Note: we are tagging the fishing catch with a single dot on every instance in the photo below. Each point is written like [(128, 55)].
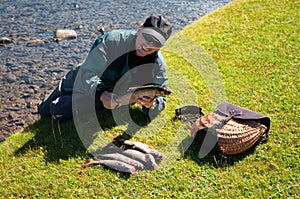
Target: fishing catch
[(113, 164), (143, 148), (135, 93), (128, 158), (146, 159), (119, 157)]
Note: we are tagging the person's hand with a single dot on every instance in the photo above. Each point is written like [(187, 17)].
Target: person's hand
[(146, 101), (108, 100)]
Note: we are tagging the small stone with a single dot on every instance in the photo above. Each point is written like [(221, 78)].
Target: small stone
[(10, 117), (34, 87), (26, 96), (5, 40), (13, 109), (57, 40), (101, 30), (75, 5), (10, 78), (29, 105), (32, 103), (20, 122), (35, 42), (67, 34)]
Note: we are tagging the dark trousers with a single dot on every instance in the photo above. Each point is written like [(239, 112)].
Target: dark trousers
[(60, 107), (58, 103)]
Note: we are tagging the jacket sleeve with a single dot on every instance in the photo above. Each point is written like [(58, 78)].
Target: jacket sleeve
[(89, 76)]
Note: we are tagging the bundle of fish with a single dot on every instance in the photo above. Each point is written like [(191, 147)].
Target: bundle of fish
[(231, 128), (129, 158)]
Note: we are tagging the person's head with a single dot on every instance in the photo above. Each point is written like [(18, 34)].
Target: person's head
[(152, 35)]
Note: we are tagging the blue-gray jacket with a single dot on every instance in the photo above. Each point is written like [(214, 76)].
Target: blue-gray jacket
[(111, 66)]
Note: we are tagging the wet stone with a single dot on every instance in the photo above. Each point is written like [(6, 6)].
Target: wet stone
[(20, 123), (35, 42), (30, 64), (5, 40), (66, 34), (25, 96), (13, 108), (10, 117), (10, 78)]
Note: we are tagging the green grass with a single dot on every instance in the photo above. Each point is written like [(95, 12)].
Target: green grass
[(246, 53)]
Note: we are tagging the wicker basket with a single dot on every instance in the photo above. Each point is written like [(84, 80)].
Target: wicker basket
[(234, 136), (238, 136)]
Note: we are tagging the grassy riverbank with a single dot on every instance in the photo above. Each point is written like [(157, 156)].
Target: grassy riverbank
[(252, 50)]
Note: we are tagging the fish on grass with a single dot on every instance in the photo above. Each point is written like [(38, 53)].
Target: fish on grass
[(122, 158), (146, 159), (143, 148), (135, 93), (113, 164)]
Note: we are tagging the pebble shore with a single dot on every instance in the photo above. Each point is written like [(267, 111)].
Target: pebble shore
[(33, 60)]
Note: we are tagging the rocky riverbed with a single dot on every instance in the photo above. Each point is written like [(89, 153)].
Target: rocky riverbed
[(30, 69)]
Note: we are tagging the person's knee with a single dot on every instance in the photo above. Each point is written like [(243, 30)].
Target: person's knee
[(43, 109), (61, 108)]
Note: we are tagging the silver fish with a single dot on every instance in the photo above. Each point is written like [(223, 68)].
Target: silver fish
[(110, 148), (137, 155), (135, 93), (146, 159), (122, 158), (150, 162), (143, 148), (113, 164)]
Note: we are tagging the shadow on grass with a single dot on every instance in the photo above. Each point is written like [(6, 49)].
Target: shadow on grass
[(60, 141), (55, 145), (214, 158)]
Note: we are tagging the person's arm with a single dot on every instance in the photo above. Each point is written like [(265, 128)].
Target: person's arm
[(89, 75)]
